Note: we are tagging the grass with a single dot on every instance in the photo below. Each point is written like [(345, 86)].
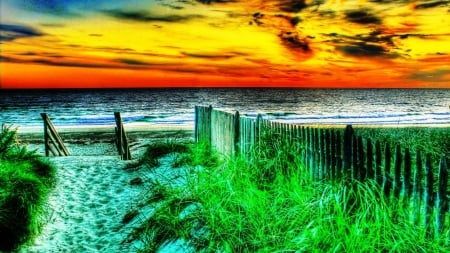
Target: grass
[(433, 140), (268, 203), (25, 182)]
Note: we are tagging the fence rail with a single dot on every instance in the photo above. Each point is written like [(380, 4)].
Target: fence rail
[(332, 154), (52, 141)]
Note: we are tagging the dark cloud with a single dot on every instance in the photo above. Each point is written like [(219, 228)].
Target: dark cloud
[(293, 41), (172, 6), (96, 35), (439, 75), (132, 62), (432, 4), (71, 64), (12, 32), (217, 1), (144, 16), (52, 25), (362, 17), (362, 49), (212, 56), (292, 5)]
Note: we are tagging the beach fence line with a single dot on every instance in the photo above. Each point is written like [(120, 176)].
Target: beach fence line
[(52, 141), (410, 177)]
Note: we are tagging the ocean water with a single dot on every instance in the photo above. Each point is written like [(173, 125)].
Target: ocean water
[(145, 107)]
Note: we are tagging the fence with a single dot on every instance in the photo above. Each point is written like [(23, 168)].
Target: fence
[(333, 154), (121, 138), (52, 141)]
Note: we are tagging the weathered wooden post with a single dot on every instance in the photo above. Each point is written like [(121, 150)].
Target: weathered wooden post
[(370, 171), (361, 168), (237, 133), (378, 175), (428, 194), (417, 188), (121, 138), (407, 174), (397, 170), (387, 182), (348, 143)]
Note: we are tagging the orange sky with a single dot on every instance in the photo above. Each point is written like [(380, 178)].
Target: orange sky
[(253, 43)]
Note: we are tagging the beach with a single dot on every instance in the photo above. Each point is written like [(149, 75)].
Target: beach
[(95, 189)]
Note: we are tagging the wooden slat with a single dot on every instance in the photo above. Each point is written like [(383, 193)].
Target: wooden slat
[(442, 200), (52, 141)]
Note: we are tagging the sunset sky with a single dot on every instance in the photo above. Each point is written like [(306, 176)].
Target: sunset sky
[(226, 43)]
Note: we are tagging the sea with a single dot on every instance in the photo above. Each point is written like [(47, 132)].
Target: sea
[(176, 107)]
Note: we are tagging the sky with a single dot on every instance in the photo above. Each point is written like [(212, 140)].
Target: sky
[(224, 43)]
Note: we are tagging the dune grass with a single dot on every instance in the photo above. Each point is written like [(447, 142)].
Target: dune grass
[(25, 181), (432, 140), (267, 202)]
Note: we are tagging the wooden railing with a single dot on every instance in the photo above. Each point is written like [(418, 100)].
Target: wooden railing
[(52, 141), (121, 139), (333, 154)]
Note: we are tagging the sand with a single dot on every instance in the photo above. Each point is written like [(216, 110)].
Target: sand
[(93, 193)]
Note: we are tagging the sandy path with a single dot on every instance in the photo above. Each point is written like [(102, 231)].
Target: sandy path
[(86, 208)]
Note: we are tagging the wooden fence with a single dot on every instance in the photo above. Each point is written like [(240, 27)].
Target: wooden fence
[(52, 141), (121, 138), (333, 154)]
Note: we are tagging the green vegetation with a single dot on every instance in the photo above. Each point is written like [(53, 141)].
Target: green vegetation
[(267, 202), (25, 181), (433, 140)]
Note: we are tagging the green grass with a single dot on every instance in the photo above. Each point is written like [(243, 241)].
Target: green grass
[(433, 140), (268, 203), (25, 182)]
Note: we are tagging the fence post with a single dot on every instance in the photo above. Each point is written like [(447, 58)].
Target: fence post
[(122, 141), (196, 112), (378, 159), (339, 161), (417, 188), (355, 167), (237, 134), (428, 194), (361, 168), (370, 171), (442, 201), (348, 143), (407, 174), (397, 170), (387, 182)]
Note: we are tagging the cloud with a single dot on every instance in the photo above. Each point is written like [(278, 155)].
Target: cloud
[(362, 17), (438, 75), (212, 56), (292, 5), (293, 41), (12, 32), (132, 62), (145, 16), (362, 49), (431, 4), (218, 1)]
